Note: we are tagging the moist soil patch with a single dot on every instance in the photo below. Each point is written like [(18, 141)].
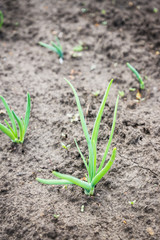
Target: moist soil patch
[(112, 33)]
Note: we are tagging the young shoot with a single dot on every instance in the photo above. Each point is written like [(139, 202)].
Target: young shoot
[(78, 48), (96, 93), (55, 47), (1, 19), (121, 93), (94, 173), (137, 75), (132, 202), (65, 146), (12, 132)]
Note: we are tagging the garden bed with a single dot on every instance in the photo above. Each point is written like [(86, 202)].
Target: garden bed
[(112, 34)]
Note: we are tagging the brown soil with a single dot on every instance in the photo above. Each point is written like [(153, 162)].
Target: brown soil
[(132, 34)]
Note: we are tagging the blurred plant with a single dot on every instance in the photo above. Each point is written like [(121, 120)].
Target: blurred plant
[(155, 10), (78, 48), (104, 23), (95, 94), (132, 202), (65, 146), (1, 19), (56, 216), (132, 89), (121, 93), (55, 47), (83, 10), (94, 174), (22, 123), (103, 11), (137, 75)]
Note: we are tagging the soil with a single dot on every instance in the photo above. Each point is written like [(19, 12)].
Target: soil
[(127, 31)]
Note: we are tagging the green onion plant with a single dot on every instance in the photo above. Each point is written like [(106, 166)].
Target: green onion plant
[(94, 173), (137, 75), (1, 19), (12, 132), (55, 47)]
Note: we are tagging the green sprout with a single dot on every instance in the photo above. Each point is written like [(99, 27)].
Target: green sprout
[(94, 173), (132, 89), (103, 11), (121, 93), (83, 10), (65, 146), (104, 23), (55, 47), (1, 19), (137, 75), (155, 10), (56, 216), (132, 202), (96, 93), (78, 48), (22, 123)]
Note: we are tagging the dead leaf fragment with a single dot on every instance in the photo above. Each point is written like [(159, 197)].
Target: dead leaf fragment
[(72, 72), (130, 4), (71, 77), (138, 95), (150, 231), (84, 179)]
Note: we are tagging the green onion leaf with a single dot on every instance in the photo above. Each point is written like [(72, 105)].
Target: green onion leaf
[(53, 182), (98, 177), (21, 127), (73, 180), (7, 132), (111, 136), (97, 123), (137, 75), (28, 109), (85, 130), (10, 116), (83, 158)]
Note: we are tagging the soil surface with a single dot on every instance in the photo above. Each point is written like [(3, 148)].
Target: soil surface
[(112, 33)]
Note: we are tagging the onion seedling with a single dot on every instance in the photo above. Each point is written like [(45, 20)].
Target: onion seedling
[(137, 75), (11, 132), (94, 173), (55, 47), (1, 19)]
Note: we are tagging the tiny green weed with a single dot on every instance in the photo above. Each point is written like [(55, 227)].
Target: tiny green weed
[(1, 19), (94, 173), (132, 202), (11, 132), (103, 11), (56, 216), (96, 93), (132, 89), (137, 75), (81, 47), (55, 47), (155, 10), (65, 146), (121, 93), (78, 48)]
